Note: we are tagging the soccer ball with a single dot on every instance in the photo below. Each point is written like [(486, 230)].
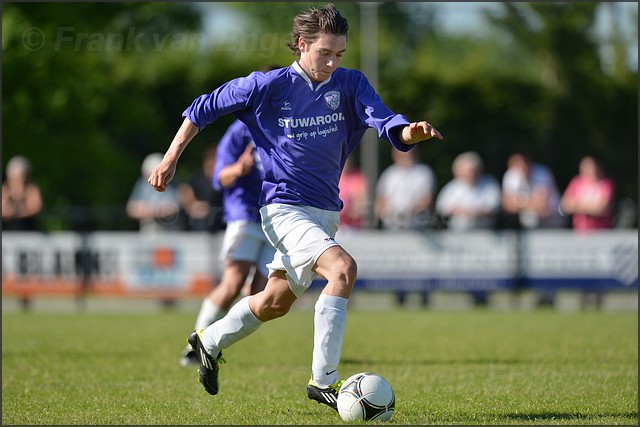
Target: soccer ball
[(366, 396)]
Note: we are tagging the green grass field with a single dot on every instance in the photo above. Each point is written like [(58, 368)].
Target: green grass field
[(462, 367)]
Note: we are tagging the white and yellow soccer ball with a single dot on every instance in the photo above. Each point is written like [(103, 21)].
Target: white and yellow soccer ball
[(366, 396)]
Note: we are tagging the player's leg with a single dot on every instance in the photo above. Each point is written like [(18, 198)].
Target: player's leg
[(306, 246), (258, 283), (217, 302), (261, 271), (241, 248), (330, 317), (234, 276), (244, 318)]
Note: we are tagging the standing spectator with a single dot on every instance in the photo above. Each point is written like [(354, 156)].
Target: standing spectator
[(245, 249), (589, 197), (530, 197), (155, 211), (471, 199), (201, 202), (589, 200), (21, 197), (354, 194), (404, 199), (405, 192)]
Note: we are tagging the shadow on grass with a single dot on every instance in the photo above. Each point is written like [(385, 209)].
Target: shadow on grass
[(559, 416), (350, 361)]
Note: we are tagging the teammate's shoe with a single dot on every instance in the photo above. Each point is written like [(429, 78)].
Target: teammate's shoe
[(326, 395), (188, 357), (208, 365)]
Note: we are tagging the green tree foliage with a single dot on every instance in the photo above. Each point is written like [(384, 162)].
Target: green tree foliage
[(586, 110), (89, 89), (87, 94)]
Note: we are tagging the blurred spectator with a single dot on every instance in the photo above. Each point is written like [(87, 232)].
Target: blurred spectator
[(155, 211), (202, 203), (589, 197), (354, 189), (405, 192), (404, 198), (471, 199), (530, 197), (21, 197)]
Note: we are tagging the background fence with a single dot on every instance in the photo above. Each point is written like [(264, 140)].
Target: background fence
[(171, 266)]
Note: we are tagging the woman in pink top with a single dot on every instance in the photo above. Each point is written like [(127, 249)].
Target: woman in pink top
[(589, 197)]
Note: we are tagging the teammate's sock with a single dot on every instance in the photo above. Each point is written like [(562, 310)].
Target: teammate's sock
[(209, 313), (237, 324), (330, 319)]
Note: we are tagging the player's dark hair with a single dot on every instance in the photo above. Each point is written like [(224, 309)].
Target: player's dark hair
[(313, 21)]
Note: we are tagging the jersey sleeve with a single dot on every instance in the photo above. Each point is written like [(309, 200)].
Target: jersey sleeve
[(372, 111), (232, 96)]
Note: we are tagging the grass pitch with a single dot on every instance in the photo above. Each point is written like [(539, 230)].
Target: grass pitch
[(463, 367)]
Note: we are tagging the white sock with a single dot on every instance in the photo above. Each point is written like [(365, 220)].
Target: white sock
[(208, 314), (329, 324), (239, 323)]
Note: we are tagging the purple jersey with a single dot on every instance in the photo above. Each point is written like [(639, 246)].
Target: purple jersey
[(241, 200), (304, 131)]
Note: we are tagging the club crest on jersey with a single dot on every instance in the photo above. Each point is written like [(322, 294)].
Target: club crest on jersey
[(332, 98)]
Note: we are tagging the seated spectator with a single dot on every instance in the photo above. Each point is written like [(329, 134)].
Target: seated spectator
[(155, 211), (21, 197), (530, 197), (405, 192), (354, 194), (589, 197), (202, 203), (471, 199)]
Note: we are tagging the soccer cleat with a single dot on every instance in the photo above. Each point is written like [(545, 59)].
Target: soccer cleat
[(208, 365), (326, 395), (188, 357)]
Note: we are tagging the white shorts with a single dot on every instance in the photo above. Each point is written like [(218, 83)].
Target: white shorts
[(300, 235), (245, 241)]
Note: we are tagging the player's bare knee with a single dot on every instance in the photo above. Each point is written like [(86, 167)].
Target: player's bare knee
[(344, 270)]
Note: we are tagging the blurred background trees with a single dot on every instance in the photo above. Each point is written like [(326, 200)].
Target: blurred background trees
[(89, 89)]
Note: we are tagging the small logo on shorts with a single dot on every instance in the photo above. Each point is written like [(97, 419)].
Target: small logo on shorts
[(329, 239)]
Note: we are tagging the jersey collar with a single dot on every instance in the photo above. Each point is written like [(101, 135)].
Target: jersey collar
[(296, 66)]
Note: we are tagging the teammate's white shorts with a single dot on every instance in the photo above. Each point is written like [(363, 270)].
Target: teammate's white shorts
[(245, 241), (300, 235)]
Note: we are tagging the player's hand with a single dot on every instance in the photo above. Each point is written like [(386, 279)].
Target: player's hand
[(246, 161), (162, 175), (419, 131)]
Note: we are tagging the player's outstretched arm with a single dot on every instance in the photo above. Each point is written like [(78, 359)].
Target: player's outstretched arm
[(166, 169), (418, 131)]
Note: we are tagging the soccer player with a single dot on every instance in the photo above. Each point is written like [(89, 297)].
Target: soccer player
[(305, 120), (245, 248)]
